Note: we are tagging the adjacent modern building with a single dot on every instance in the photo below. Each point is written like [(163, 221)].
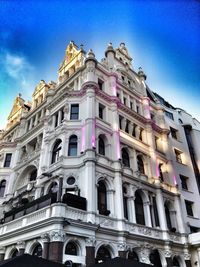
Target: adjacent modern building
[(98, 166)]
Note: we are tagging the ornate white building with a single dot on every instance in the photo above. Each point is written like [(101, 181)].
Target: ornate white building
[(97, 166)]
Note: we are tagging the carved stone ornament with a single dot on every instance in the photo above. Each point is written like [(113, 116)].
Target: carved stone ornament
[(21, 245), (45, 237), (90, 241), (187, 256), (122, 246), (57, 236), (168, 253)]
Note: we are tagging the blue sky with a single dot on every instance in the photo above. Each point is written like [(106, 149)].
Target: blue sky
[(162, 37)]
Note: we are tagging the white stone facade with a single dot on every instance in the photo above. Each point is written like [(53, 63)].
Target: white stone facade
[(92, 162)]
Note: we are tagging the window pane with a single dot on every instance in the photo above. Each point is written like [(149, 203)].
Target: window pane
[(74, 112), (7, 160)]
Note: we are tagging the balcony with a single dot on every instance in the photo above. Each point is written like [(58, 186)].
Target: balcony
[(44, 201)]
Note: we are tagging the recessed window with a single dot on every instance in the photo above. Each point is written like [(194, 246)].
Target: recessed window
[(178, 155), (71, 249), (74, 112), (100, 83), (180, 121), (137, 109), (189, 207), (120, 122), (184, 182), (118, 95), (56, 151), (169, 115), (173, 133), (37, 251), (125, 158), (125, 101), (56, 119), (2, 188), (71, 180), (140, 164), (101, 146), (123, 78), (131, 105), (127, 126), (72, 151), (7, 160), (33, 175), (101, 111)]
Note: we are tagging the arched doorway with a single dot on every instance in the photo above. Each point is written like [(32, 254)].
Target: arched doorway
[(103, 254), (154, 258)]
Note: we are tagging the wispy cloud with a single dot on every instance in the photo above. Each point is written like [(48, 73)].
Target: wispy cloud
[(17, 68)]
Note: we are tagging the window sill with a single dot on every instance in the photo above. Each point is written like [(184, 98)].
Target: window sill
[(192, 217)]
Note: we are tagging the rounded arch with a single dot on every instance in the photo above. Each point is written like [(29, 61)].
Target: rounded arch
[(154, 258), (103, 253), (108, 182), (132, 255), (56, 149), (25, 176), (168, 208), (11, 252), (37, 250), (139, 208), (178, 260)]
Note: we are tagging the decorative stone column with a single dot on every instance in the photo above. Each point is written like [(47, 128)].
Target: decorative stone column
[(90, 251), (21, 247), (45, 239), (168, 254), (60, 186), (187, 257), (2, 253), (122, 249), (143, 253), (147, 213), (56, 245), (161, 209)]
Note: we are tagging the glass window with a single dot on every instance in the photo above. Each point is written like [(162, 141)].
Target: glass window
[(101, 111), (71, 180), (184, 182), (139, 209), (125, 203), (160, 172), (173, 132), (100, 83), (169, 115), (101, 146), (102, 199), (74, 112), (125, 158), (7, 160), (2, 188), (37, 251), (72, 151), (33, 175), (140, 164), (103, 255), (189, 209), (71, 249), (56, 151), (168, 217), (178, 156)]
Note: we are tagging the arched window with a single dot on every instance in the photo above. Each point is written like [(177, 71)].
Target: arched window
[(2, 188), (155, 258), (125, 203), (37, 251), (56, 151), (33, 175), (175, 262), (103, 255), (101, 146), (168, 217), (140, 164), (14, 253), (132, 255), (102, 199), (71, 249), (139, 209), (125, 158), (72, 151)]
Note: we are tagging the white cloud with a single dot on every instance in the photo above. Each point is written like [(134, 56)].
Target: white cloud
[(18, 69)]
